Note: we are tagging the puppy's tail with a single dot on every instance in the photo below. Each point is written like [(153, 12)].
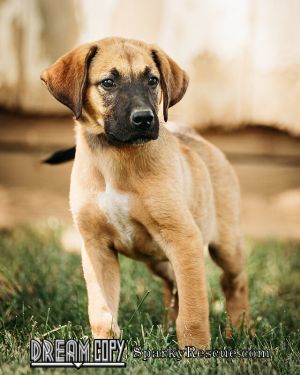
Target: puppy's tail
[(61, 156)]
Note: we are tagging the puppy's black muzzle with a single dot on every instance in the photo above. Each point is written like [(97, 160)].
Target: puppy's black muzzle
[(132, 118), (142, 127)]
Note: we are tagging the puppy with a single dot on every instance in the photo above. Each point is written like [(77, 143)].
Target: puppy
[(139, 189)]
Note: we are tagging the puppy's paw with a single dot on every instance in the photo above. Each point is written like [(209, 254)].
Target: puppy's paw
[(243, 325), (105, 327), (192, 334)]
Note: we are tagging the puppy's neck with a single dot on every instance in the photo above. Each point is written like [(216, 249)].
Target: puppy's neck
[(114, 162)]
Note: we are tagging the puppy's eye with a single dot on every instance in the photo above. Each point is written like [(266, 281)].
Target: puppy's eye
[(107, 83), (153, 81)]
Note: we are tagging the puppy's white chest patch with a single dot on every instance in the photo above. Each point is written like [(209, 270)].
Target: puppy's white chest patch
[(116, 206)]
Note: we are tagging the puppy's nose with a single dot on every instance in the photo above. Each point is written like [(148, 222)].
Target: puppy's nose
[(142, 118)]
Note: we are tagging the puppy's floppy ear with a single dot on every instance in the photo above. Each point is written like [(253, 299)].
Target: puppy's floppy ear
[(174, 81), (66, 79)]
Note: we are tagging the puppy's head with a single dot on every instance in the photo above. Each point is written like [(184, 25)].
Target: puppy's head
[(115, 86)]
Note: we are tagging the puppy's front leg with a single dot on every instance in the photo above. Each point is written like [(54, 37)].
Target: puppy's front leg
[(102, 276), (182, 243)]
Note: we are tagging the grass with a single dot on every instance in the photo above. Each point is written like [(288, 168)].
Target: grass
[(42, 295)]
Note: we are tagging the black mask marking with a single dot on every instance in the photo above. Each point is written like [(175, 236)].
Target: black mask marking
[(121, 103)]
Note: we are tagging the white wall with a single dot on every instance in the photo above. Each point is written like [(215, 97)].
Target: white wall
[(243, 56)]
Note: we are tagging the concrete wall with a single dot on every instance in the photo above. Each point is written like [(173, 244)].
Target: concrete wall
[(243, 56)]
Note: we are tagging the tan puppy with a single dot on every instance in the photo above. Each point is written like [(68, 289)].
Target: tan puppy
[(138, 189)]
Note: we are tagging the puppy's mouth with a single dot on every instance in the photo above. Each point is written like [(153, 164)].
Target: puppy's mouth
[(134, 140)]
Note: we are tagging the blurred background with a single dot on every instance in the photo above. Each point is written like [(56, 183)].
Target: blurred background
[(243, 59)]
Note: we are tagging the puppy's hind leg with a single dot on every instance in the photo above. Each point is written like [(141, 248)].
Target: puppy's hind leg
[(164, 271), (230, 257)]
